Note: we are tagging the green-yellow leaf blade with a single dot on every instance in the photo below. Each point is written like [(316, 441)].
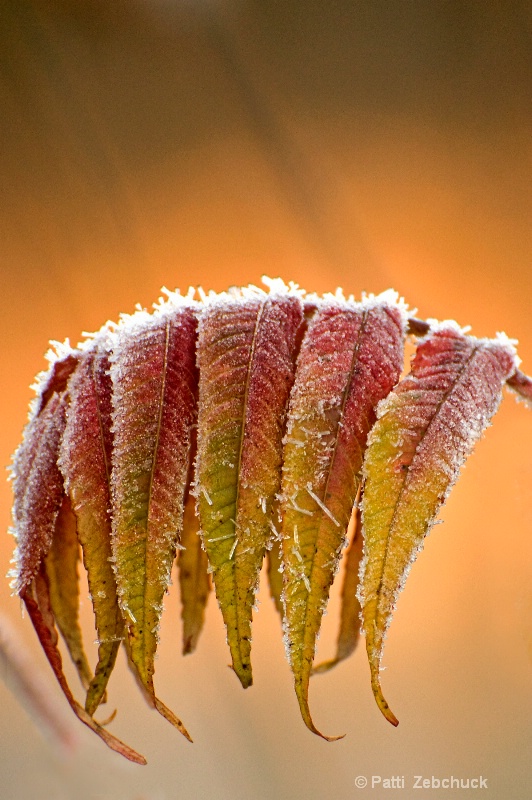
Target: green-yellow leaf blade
[(194, 578), (425, 430), (349, 632), (350, 358), (246, 354), (275, 577), (62, 573)]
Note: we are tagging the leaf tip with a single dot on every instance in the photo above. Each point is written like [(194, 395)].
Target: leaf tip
[(325, 666), (243, 673), (382, 704), (302, 697), (171, 717)]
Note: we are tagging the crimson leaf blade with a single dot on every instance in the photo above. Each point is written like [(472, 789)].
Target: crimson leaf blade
[(351, 356), (154, 408), (85, 461)]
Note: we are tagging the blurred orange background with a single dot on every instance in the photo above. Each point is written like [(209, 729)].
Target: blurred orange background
[(361, 144)]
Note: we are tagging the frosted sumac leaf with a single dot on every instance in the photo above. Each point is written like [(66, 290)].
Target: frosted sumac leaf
[(246, 354), (194, 578), (85, 461), (275, 576), (154, 408), (37, 601), (225, 429), (62, 573), (424, 432), (37, 481), (39, 498), (350, 358), (349, 632)]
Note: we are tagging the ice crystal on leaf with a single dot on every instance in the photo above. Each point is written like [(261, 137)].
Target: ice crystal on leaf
[(230, 428)]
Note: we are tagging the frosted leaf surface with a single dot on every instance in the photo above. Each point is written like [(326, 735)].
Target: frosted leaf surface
[(349, 632), (350, 358), (246, 354), (425, 430), (37, 488), (85, 462), (107, 456), (154, 409)]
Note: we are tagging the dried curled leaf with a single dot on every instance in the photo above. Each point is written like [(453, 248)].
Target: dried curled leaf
[(154, 409), (350, 358), (246, 354), (425, 430)]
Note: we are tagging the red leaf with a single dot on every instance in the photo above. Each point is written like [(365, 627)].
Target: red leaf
[(37, 601), (521, 384), (86, 463), (351, 356), (154, 400), (37, 481)]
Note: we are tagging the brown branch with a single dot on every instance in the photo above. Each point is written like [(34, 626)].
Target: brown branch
[(417, 327), (521, 384)]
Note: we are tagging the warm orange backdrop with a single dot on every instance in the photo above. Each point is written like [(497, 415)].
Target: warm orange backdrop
[(366, 145)]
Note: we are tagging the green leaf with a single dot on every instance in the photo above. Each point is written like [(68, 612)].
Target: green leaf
[(194, 578), (425, 430), (275, 577), (154, 409), (349, 632), (63, 580), (350, 358), (246, 353)]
